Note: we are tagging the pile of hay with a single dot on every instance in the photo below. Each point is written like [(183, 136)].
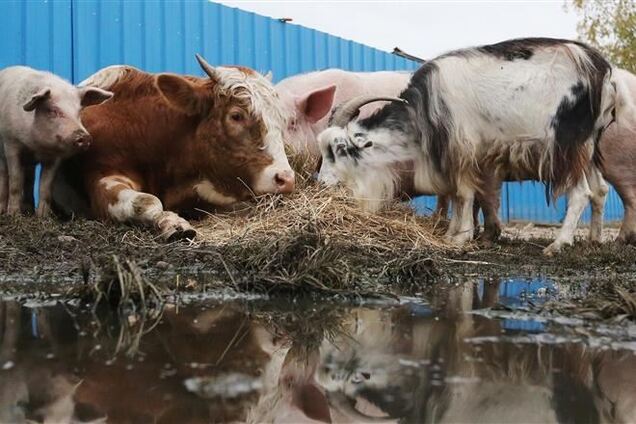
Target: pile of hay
[(319, 236)]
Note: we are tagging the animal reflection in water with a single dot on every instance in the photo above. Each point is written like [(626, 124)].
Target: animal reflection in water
[(235, 363)]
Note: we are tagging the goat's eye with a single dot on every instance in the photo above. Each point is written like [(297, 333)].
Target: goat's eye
[(237, 117)]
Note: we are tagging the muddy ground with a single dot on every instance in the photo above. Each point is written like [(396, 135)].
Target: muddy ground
[(75, 257)]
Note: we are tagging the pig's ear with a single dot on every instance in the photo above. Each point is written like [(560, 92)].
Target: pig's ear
[(37, 99), (317, 104), (269, 76), (93, 96), (312, 401)]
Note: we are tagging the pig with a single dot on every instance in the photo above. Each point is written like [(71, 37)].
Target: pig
[(39, 122), (309, 99)]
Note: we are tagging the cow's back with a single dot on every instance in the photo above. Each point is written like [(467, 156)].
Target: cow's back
[(136, 134)]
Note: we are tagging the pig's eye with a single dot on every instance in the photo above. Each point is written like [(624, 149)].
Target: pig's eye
[(293, 124), (56, 113)]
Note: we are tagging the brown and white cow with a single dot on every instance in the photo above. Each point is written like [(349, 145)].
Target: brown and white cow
[(174, 143)]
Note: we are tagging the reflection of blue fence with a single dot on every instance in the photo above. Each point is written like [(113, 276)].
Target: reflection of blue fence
[(74, 38)]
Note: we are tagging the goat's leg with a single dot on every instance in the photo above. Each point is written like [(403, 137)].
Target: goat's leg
[(599, 189), (453, 225), (464, 201), (441, 209), (118, 198), (578, 197), (490, 202)]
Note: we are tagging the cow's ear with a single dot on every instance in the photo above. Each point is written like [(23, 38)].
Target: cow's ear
[(181, 93), (317, 104), (93, 96), (38, 99)]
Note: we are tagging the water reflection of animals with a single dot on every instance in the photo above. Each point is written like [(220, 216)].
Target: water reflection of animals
[(240, 362)]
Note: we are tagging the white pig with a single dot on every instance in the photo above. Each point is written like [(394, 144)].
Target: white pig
[(309, 99), (39, 122)]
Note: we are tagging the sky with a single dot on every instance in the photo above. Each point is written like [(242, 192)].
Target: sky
[(424, 28)]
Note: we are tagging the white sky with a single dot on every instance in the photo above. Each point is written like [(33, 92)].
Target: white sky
[(424, 28)]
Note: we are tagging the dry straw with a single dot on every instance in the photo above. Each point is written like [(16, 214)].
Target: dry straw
[(319, 236), (332, 210)]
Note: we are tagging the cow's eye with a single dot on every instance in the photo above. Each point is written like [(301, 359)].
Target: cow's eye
[(237, 117)]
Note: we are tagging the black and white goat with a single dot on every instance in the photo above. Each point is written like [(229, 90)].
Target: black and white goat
[(542, 103)]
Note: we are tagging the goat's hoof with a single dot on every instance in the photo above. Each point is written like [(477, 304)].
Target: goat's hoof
[(554, 248)]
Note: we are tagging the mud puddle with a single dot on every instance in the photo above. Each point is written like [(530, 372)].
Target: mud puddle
[(474, 353)]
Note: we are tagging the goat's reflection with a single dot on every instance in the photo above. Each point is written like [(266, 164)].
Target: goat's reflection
[(403, 364)]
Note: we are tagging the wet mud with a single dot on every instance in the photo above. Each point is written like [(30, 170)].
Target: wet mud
[(88, 260)]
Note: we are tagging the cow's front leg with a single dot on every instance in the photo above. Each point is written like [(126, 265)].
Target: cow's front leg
[(578, 198), (16, 177), (46, 182), (599, 189), (119, 198)]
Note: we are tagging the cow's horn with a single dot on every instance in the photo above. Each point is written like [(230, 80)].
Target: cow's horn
[(207, 68), (344, 113)]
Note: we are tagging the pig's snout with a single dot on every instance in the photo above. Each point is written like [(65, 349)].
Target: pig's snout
[(81, 139)]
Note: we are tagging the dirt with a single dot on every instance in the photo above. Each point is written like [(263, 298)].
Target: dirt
[(49, 256)]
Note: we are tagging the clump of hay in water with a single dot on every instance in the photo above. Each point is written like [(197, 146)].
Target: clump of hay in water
[(319, 237)]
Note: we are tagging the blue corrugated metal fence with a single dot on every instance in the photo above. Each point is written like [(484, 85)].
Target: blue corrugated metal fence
[(74, 38)]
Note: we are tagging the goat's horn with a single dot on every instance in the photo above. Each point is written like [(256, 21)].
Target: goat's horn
[(344, 113)]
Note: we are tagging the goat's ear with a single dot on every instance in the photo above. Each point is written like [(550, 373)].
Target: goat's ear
[(182, 94), (317, 104), (38, 99), (93, 96)]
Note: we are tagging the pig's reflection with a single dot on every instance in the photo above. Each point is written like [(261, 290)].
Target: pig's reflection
[(227, 363)]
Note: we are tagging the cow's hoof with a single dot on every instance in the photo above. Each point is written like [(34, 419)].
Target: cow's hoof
[(174, 228), (182, 234)]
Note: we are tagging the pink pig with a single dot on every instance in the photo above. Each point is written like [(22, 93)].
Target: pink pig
[(309, 99), (39, 122)]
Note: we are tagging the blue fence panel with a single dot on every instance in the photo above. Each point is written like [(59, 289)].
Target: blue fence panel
[(75, 38), (37, 34)]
